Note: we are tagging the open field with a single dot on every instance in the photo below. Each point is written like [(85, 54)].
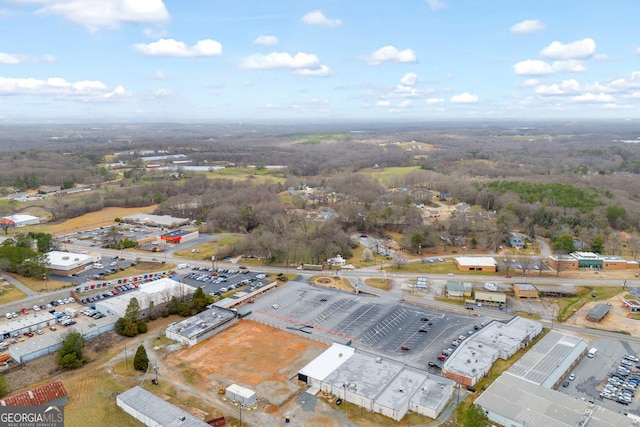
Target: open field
[(39, 285), (208, 249), (10, 293), (101, 218)]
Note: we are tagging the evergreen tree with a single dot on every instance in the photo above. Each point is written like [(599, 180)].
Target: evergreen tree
[(474, 416), (133, 309), (141, 360), (70, 354)]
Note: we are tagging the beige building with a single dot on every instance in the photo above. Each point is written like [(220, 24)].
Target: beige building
[(525, 291)]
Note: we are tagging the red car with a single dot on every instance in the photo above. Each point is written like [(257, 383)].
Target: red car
[(442, 357)]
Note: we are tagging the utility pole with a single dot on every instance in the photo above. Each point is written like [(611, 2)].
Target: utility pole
[(126, 359)]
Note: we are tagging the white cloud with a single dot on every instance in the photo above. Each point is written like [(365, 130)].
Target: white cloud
[(572, 66), (409, 79), (317, 18), (405, 104), (593, 98), (89, 90), (638, 50), (321, 71), (528, 26), (383, 104), (303, 64), (536, 67), (266, 40), (436, 4), (391, 54), (565, 87), (576, 50), (11, 59), (530, 82), (153, 33), (96, 15), (172, 47), (532, 67), (434, 101), (464, 98)]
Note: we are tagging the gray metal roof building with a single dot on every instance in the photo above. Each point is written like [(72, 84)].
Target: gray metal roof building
[(153, 411), (24, 323), (203, 325), (598, 312), (517, 402), (549, 360), (523, 396)]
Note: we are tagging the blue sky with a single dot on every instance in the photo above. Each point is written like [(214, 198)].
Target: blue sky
[(308, 60)]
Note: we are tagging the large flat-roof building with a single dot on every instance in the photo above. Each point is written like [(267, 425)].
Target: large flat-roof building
[(590, 260), (476, 263), (377, 383), (68, 263), (203, 325), (153, 411), (159, 291), (163, 221), (523, 395), (21, 220), (474, 356)]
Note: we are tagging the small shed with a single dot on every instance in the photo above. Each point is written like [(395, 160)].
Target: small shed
[(632, 305), (525, 291), (459, 289), (242, 395), (598, 313)]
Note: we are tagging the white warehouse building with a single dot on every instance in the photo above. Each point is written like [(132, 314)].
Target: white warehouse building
[(159, 291)]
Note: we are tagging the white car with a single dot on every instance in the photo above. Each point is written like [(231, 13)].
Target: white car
[(36, 308), (8, 315), (276, 306)]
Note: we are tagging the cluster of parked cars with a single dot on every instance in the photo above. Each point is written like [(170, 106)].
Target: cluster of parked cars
[(623, 381), (207, 277), (87, 311), (51, 304), (456, 342)]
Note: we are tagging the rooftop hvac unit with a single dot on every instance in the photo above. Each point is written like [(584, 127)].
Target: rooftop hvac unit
[(378, 360), (65, 258), (468, 360), (473, 370)]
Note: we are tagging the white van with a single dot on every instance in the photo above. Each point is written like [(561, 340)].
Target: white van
[(592, 352)]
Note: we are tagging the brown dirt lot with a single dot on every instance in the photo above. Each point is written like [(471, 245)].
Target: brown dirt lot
[(615, 320), (250, 354)]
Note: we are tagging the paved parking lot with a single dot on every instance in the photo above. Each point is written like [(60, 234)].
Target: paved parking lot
[(411, 333), (217, 282), (591, 375)]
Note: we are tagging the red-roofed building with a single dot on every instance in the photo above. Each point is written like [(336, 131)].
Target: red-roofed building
[(49, 394)]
